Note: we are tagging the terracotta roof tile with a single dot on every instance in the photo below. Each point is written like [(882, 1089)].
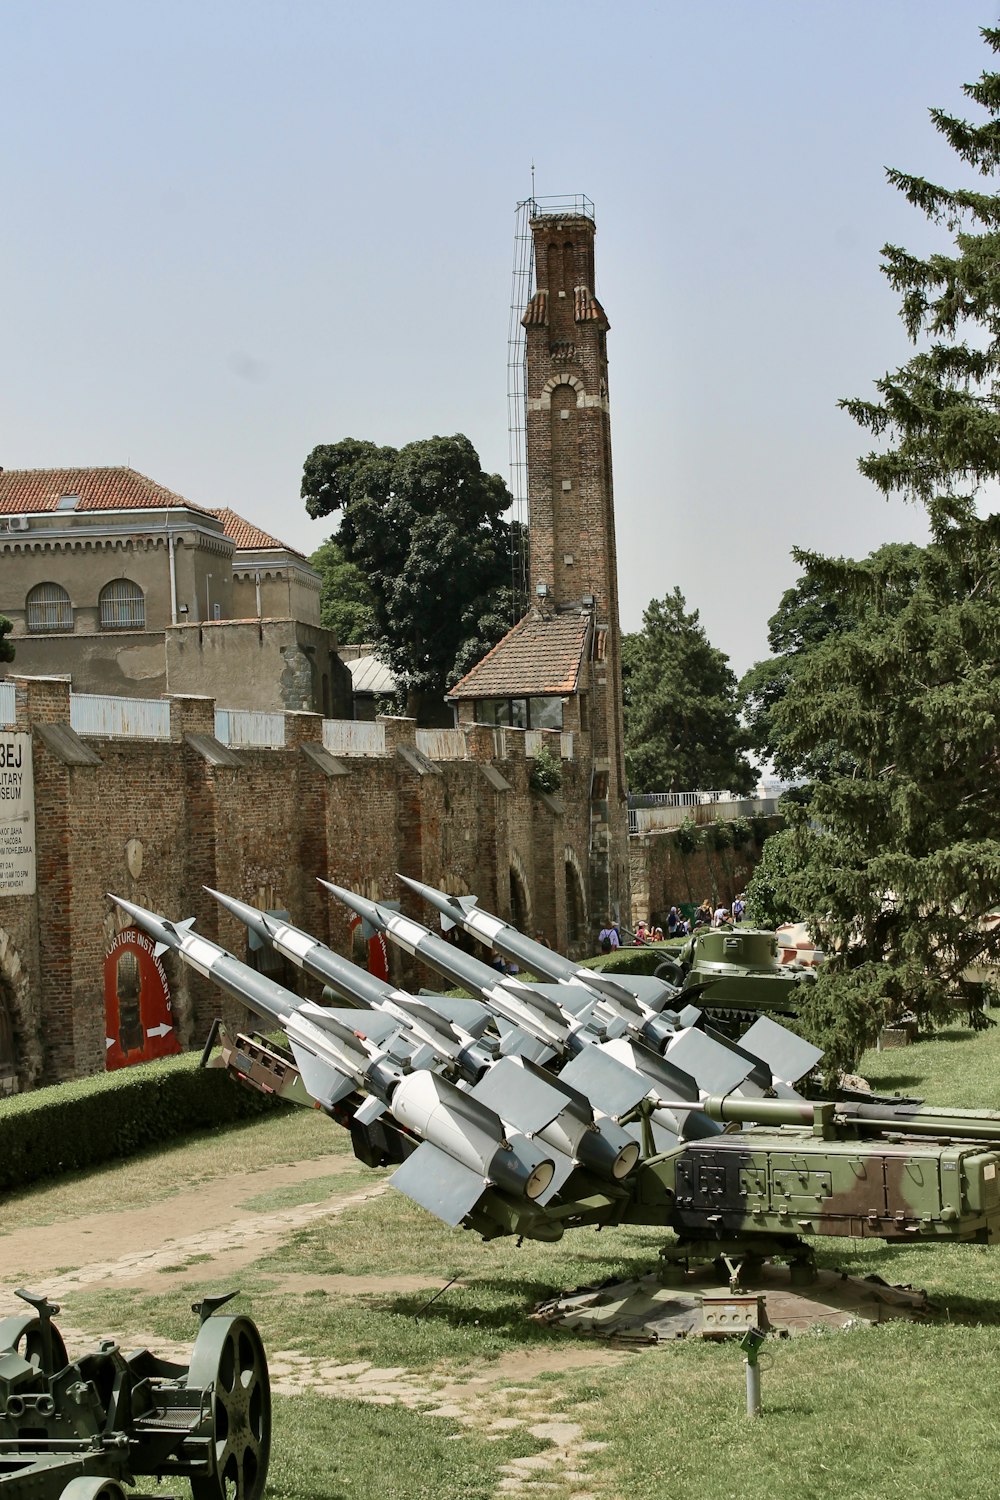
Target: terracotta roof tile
[(542, 655), (537, 310), (245, 535), (587, 308), (28, 491)]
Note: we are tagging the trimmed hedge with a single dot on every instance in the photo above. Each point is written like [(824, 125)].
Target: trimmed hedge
[(642, 960), (77, 1125)]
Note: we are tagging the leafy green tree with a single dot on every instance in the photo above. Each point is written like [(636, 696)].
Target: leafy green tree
[(6, 646), (893, 857), (425, 526), (345, 599), (682, 728)]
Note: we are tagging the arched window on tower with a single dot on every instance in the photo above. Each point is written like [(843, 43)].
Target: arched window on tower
[(123, 605), (48, 608)]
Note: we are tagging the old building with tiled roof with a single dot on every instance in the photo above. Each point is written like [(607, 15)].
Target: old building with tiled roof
[(127, 587)]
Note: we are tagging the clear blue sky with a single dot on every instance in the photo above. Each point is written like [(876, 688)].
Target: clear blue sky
[(231, 231)]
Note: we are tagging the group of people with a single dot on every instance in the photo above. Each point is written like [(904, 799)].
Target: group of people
[(719, 916), (610, 936)]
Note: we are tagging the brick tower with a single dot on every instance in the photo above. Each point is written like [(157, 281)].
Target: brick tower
[(571, 511)]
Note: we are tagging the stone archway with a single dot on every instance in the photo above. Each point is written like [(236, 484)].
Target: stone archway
[(520, 899), (576, 908)]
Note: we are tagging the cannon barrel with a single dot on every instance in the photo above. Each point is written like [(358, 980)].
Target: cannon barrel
[(866, 1119)]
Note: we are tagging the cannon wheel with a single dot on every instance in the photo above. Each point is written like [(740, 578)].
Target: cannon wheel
[(89, 1488), (229, 1358), (669, 970), (23, 1333)]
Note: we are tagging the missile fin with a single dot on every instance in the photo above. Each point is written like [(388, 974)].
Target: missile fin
[(610, 1085), (788, 1056), (436, 1181), (575, 998), (177, 927), (370, 1110), (471, 1015), (612, 990), (517, 1043), (321, 1079), (716, 1069), (520, 1097), (534, 996), (350, 1024), (662, 1077), (428, 1017)]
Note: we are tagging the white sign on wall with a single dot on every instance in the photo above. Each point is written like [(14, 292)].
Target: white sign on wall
[(17, 816)]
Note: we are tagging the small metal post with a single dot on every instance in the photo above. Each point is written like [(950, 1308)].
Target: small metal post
[(751, 1343), (753, 1387)]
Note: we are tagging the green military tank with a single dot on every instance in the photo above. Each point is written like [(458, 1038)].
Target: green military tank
[(734, 975)]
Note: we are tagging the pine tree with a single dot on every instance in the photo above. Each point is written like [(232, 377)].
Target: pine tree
[(893, 856), (941, 408)]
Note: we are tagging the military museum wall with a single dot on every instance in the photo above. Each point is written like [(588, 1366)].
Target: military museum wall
[(155, 822)]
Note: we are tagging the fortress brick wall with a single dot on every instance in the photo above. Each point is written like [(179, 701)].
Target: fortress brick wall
[(156, 822)]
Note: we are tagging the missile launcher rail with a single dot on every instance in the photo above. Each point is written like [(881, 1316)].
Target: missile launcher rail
[(584, 1099)]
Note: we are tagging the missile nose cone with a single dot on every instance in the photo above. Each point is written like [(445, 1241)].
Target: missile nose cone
[(242, 910), (427, 893), (138, 912), (367, 909)]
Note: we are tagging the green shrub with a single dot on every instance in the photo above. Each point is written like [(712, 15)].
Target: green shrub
[(688, 836), (633, 960), (546, 773), (77, 1125)]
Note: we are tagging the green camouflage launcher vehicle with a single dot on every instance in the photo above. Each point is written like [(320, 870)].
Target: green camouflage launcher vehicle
[(581, 1098)]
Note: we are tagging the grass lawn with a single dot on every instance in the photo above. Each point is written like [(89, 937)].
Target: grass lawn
[(903, 1410)]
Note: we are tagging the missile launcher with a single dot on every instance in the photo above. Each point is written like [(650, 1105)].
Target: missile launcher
[(535, 1107)]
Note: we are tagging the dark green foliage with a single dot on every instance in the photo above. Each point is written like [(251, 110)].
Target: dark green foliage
[(546, 773), (77, 1125), (718, 836), (424, 525), (766, 906), (345, 599), (6, 646), (644, 960), (688, 836), (682, 730), (887, 692)]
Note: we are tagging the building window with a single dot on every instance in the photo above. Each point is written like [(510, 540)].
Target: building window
[(123, 606), (521, 713), (48, 608)]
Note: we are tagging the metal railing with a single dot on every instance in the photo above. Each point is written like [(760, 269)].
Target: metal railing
[(443, 744), (649, 817), (679, 799), (244, 728), (353, 737), (8, 711), (119, 718)]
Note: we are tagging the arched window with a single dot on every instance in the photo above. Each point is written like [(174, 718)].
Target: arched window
[(48, 607), (123, 606)]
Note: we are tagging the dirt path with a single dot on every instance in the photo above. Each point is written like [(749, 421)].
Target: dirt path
[(209, 1226)]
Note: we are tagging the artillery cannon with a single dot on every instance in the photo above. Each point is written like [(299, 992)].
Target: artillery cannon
[(81, 1430)]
